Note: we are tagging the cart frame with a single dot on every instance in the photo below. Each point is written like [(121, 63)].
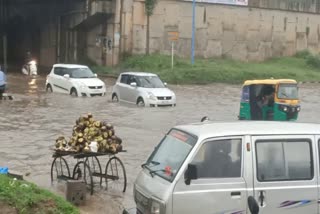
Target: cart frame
[(88, 167)]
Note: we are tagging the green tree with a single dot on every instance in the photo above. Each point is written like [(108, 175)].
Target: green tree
[(149, 7)]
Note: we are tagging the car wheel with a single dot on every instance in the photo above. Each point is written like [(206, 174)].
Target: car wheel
[(74, 92), (140, 102), (115, 98), (49, 88)]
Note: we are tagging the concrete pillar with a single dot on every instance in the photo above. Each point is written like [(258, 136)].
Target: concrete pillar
[(75, 46)]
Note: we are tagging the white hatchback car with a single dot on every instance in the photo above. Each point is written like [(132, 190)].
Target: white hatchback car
[(76, 80), (143, 89)]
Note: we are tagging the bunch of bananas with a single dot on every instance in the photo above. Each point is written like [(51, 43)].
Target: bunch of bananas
[(87, 131)]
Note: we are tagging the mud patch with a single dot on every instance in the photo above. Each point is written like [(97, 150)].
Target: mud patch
[(6, 208)]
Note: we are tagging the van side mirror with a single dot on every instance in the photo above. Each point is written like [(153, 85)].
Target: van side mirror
[(165, 84), (253, 205), (190, 174), (96, 75), (133, 84), (67, 76)]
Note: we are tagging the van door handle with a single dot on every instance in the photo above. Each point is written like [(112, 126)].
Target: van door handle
[(235, 193), (261, 198)]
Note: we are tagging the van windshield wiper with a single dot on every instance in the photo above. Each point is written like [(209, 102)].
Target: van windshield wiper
[(155, 163)]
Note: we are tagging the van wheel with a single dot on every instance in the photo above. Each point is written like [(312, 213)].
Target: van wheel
[(49, 88), (74, 92), (140, 102), (115, 98)]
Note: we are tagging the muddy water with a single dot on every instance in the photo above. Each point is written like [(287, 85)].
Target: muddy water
[(30, 124)]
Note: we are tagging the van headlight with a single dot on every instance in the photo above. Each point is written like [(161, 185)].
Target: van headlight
[(151, 96), (156, 207)]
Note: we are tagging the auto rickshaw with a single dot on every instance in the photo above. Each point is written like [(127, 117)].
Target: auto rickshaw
[(270, 99)]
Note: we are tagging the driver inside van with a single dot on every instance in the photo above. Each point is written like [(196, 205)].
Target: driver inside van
[(217, 160)]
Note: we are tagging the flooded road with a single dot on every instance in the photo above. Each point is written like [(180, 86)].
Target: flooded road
[(31, 122)]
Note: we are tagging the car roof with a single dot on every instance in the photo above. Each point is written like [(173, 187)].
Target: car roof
[(269, 81), (139, 73), (70, 66), (215, 129)]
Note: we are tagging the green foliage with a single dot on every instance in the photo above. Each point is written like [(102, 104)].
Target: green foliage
[(314, 61), (206, 71), (303, 54), (150, 5), (28, 198)]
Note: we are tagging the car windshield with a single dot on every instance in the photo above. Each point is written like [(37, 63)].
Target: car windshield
[(80, 73), (149, 82), (170, 154), (288, 91)]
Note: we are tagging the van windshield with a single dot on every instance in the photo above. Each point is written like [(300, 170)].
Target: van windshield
[(288, 91), (169, 155)]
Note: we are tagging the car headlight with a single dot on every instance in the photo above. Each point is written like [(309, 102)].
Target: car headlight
[(285, 108), (156, 207), (151, 96), (298, 109)]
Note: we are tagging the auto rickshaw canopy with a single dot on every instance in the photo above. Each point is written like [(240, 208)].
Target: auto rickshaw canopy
[(269, 81)]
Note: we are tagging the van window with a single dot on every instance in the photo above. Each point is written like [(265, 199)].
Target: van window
[(278, 160), (219, 159)]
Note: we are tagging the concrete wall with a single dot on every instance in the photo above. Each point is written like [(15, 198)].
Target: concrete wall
[(244, 33), (48, 43), (241, 33), (94, 52), (311, 6)]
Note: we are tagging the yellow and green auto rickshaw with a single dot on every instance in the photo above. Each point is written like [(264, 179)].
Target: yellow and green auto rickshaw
[(270, 99)]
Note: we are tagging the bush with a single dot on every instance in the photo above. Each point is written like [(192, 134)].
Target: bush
[(303, 54), (26, 198), (313, 60)]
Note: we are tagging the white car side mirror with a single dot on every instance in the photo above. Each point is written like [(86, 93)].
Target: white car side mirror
[(133, 84), (96, 75), (67, 76), (165, 84)]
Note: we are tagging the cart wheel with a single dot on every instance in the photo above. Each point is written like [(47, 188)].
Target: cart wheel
[(116, 178), (95, 167), (59, 169), (81, 171)]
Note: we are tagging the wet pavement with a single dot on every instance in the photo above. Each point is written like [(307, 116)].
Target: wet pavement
[(31, 122)]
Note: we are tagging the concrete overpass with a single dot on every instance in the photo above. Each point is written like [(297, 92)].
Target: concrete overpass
[(56, 30)]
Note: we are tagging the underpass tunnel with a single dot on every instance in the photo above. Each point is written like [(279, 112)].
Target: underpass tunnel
[(59, 31), (30, 25), (23, 35)]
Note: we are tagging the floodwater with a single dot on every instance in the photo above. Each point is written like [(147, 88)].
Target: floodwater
[(31, 122)]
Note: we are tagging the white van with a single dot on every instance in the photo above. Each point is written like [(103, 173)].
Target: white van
[(232, 168)]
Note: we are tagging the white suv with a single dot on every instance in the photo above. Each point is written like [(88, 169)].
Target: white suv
[(76, 80)]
